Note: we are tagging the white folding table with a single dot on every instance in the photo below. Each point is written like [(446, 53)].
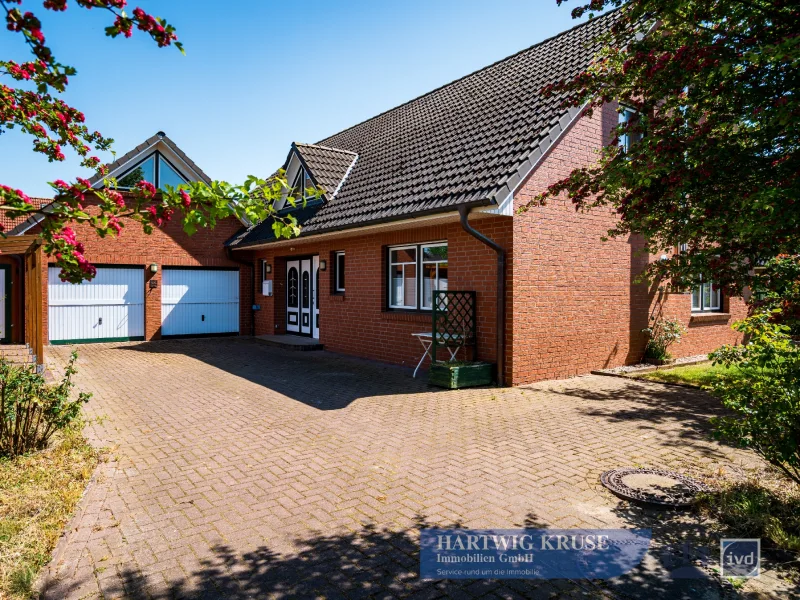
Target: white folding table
[(453, 343)]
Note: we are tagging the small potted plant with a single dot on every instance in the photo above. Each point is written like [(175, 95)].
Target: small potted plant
[(661, 334)]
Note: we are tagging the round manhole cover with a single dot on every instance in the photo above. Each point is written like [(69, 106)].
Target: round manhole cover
[(652, 486)]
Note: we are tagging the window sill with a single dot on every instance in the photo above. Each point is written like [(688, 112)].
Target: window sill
[(408, 316), (705, 317)]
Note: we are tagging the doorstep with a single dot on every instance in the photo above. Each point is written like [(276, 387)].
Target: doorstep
[(291, 342)]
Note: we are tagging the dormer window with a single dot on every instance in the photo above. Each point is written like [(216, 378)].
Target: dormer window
[(302, 186), (154, 169)]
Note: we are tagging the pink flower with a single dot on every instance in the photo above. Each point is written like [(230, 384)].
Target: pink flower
[(187, 200), (147, 188), (116, 197), (113, 223)]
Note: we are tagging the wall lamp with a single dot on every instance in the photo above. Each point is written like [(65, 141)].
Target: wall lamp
[(267, 268), (153, 268), (323, 264)]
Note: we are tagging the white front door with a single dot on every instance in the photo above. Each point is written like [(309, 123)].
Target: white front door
[(306, 296), (110, 307), (301, 296), (293, 296), (199, 301)]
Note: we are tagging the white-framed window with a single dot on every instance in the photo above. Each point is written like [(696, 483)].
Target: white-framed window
[(338, 271), (154, 169), (705, 298), (628, 116), (434, 271), (415, 272)]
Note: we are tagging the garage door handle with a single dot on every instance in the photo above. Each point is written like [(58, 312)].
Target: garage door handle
[(202, 317), (100, 321)]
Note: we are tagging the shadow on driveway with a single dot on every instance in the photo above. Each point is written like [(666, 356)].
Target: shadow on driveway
[(323, 380)]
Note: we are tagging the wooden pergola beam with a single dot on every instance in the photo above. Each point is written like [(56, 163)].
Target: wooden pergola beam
[(19, 244)]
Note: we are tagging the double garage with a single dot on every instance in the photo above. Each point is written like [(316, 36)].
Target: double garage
[(112, 306)]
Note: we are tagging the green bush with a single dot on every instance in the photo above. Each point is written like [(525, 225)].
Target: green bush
[(777, 289), (33, 410), (766, 399), (661, 334)]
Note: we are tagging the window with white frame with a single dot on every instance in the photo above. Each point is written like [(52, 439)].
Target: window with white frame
[(415, 272), (705, 298), (338, 271), (628, 116), (434, 272)]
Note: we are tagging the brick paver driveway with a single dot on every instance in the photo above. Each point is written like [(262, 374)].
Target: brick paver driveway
[(239, 470)]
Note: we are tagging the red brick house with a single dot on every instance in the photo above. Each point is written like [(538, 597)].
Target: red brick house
[(405, 192), (419, 198)]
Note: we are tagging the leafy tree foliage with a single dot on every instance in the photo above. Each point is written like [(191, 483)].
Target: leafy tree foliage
[(715, 86), (32, 106), (777, 291), (766, 401)]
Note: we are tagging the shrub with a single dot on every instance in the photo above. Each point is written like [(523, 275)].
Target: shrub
[(33, 410), (766, 399), (777, 289), (661, 334)]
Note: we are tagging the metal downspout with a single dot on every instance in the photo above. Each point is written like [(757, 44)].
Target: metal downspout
[(464, 211), (252, 266)]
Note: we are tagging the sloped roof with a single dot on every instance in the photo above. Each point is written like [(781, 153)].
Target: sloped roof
[(148, 143), (467, 142), (328, 167), (9, 224)]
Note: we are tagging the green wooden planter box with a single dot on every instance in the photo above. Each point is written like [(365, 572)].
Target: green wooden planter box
[(455, 376)]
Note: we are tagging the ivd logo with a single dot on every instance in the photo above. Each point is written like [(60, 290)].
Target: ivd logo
[(740, 558)]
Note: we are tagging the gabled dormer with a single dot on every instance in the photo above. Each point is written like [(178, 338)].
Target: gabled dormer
[(157, 160), (310, 167)]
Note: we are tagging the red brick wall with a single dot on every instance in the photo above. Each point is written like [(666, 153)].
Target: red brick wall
[(358, 322), (575, 305), (165, 246)]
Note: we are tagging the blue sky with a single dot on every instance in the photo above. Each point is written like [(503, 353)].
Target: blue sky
[(259, 74)]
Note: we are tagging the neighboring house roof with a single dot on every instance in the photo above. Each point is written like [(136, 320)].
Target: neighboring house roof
[(141, 148), (157, 142), (467, 142), (9, 224)]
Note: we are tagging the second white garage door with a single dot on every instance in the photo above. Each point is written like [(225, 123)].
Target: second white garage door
[(199, 301)]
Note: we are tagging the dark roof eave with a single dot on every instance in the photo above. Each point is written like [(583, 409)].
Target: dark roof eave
[(423, 213)]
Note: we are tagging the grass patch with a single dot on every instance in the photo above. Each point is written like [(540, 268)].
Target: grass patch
[(697, 375), (38, 493), (764, 505)]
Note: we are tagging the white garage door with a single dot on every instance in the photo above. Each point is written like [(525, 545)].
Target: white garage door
[(199, 301), (108, 308)]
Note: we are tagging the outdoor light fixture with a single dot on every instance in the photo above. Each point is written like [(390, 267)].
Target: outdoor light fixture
[(323, 264), (153, 268), (268, 268)]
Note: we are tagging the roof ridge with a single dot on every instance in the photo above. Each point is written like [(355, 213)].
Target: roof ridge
[(326, 148), (458, 79)]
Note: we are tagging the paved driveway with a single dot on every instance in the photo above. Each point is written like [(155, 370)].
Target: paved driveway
[(240, 470)]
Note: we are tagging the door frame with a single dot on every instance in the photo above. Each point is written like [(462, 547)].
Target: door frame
[(314, 263), (8, 301)]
